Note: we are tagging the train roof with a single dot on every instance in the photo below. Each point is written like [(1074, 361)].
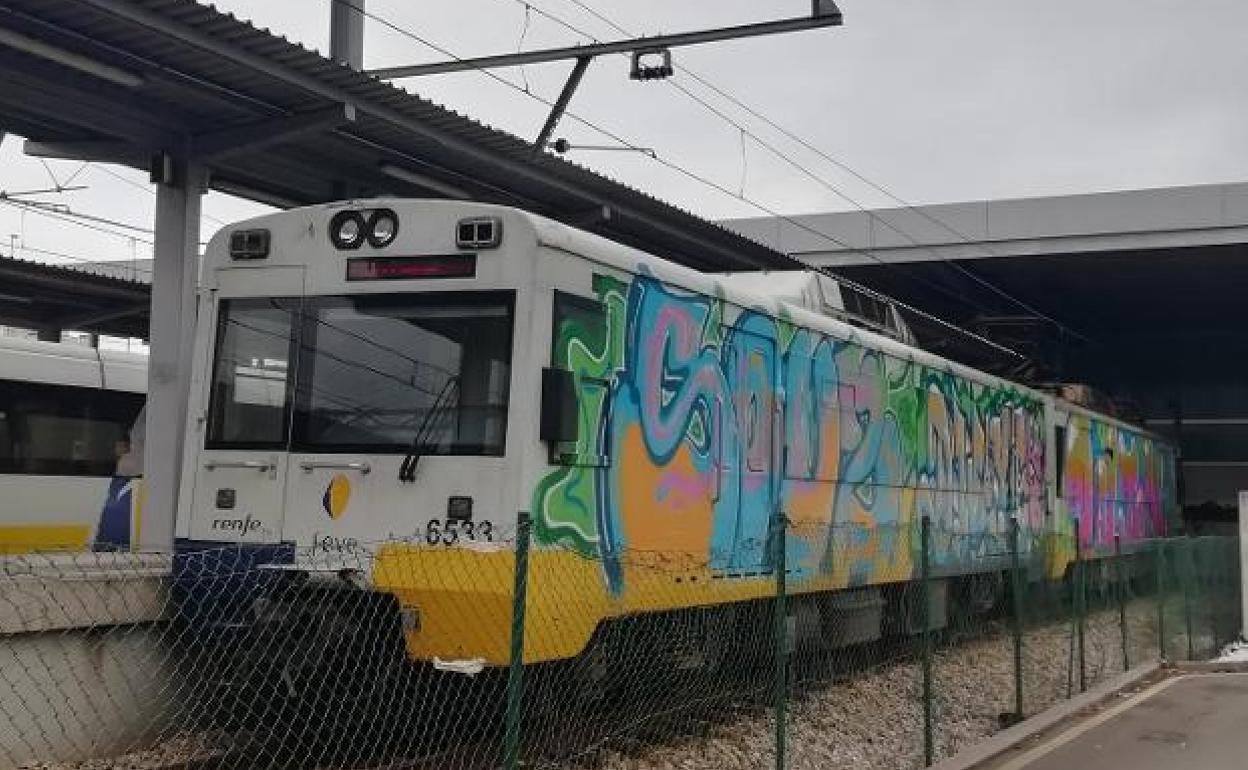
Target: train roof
[(745, 290), (738, 290), (63, 363)]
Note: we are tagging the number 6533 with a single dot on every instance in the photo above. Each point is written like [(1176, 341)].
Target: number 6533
[(452, 531)]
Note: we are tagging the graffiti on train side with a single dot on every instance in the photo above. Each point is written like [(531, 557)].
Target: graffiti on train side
[(1115, 482), (698, 420)]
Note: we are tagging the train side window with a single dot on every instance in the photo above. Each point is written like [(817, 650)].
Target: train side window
[(847, 403), (8, 460), (826, 464), (58, 430), (1059, 433), (809, 417), (250, 398), (10, 430), (579, 344)]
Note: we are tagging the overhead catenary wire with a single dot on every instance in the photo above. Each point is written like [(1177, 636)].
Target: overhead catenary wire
[(67, 211), (147, 188), (806, 171), (739, 197), (666, 162), (671, 165), (90, 221), (71, 217), (83, 220)]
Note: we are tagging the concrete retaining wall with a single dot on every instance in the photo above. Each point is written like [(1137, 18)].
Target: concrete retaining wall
[(85, 670)]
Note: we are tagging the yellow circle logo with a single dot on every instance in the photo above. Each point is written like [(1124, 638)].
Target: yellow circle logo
[(337, 494)]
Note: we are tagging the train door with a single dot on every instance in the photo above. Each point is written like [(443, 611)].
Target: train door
[(752, 375), (240, 474)]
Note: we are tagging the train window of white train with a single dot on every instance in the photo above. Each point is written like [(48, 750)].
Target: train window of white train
[(59, 430), (378, 371), (866, 307), (248, 406), (6, 441)]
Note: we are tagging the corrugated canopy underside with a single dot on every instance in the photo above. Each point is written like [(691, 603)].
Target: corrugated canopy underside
[(277, 122)]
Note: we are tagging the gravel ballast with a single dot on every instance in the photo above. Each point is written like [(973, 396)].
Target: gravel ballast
[(870, 719), (874, 720)]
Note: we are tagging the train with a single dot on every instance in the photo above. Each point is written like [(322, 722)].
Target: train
[(383, 389), (70, 453)]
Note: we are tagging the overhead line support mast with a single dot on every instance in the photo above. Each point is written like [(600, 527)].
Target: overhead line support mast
[(824, 13)]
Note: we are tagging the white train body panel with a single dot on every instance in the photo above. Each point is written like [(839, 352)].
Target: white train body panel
[(63, 408), (281, 490)]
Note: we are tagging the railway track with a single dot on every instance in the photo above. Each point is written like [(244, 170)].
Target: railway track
[(641, 716)]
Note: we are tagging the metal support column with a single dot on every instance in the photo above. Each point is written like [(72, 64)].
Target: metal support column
[(925, 619), (1017, 587), (174, 274), (515, 671), (1121, 577), (1160, 565), (1186, 574), (346, 32), (780, 635), (1079, 602)]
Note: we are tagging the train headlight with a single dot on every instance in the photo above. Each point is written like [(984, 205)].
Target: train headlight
[(383, 226), (346, 230), (249, 244), (479, 233)]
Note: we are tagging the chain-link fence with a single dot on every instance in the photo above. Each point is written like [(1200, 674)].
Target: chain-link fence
[(814, 647)]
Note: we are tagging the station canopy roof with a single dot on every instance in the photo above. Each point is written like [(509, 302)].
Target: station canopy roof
[(107, 298), (125, 80)]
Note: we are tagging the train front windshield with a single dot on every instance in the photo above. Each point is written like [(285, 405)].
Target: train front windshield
[(375, 374)]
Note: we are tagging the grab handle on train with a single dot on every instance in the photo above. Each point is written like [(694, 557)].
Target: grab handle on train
[(363, 468), (257, 465)]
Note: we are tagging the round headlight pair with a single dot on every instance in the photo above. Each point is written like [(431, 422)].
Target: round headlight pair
[(349, 229)]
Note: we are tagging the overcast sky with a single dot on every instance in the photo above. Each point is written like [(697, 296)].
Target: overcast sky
[(936, 101)]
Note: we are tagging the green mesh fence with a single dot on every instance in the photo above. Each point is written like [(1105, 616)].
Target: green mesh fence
[(974, 663), (856, 698), (1197, 585), (1045, 611), (889, 647)]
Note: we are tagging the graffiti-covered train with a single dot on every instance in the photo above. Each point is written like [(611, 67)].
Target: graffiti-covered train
[(381, 387)]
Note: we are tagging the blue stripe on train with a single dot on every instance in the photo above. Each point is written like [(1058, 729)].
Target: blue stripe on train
[(217, 583), (117, 516)]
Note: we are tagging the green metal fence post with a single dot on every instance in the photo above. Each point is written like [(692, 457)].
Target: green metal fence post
[(1016, 615), (925, 611), (1214, 570), (1185, 577), (780, 628), (1202, 570), (1079, 600), (1160, 566), (1120, 581), (515, 672)]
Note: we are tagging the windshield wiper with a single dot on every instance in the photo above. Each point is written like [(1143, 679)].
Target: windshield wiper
[(420, 442)]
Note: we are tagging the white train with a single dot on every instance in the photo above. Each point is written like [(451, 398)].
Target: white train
[(67, 414)]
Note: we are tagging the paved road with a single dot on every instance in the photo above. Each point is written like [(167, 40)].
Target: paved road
[(1194, 722)]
